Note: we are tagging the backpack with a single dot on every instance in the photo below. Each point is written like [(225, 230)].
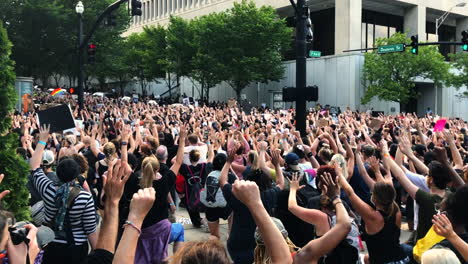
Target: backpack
[(66, 233), (212, 196), (192, 190)]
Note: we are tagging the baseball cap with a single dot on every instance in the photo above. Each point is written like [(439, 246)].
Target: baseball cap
[(278, 224), (47, 158), (292, 159)]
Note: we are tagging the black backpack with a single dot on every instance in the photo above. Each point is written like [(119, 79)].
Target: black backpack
[(193, 187)]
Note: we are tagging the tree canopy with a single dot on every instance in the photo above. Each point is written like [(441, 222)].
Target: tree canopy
[(391, 76)]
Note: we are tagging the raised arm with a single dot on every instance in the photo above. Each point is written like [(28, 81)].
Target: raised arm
[(456, 157), (248, 193), (279, 172), (362, 170), (180, 151), (405, 147), (223, 178), (140, 205), (397, 172), (36, 159), (454, 176), (443, 227), (311, 216), (319, 247)]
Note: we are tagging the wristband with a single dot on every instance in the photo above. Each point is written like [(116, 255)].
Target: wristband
[(386, 155), (172, 204), (337, 203), (129, 223), (336, 197), (42, 142), (309, 155), (123, 143)]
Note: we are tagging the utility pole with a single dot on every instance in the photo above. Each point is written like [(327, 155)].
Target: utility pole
[(301, 60), (79, 10)]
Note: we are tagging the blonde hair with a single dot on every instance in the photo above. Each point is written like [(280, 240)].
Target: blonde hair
[(339, 160), (261, 255), (149, 167), (109, 150), (439, 256), (253, 156)]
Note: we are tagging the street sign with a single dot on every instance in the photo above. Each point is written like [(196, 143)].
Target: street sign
[(315, 53), (391, 48)]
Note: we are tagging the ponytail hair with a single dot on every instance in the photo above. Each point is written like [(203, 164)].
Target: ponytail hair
[(384, 194), (149, 167)]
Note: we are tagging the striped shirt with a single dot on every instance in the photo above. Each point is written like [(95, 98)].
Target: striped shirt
[(82, 214)]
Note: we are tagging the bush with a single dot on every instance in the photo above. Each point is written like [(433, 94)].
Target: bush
[(13, 166)]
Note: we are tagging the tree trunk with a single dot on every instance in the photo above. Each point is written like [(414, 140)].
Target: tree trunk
[(238, 95)]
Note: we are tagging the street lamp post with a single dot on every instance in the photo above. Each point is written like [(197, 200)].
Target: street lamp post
[(79, 10), (439, 22)]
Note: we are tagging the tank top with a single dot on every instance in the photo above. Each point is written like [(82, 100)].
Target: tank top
[(384, 246)]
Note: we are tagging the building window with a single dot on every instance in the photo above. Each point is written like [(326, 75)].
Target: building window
[(378, 25)]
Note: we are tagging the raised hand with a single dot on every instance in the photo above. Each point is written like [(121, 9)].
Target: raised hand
[(333, 189), (374, 163), (141, 203), (442, 225), (115, 179), (126, 132), (294, 183), (231, 155), (247, 192), (44, 132), (275, 157)]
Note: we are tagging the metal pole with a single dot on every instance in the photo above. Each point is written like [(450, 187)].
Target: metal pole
[(301, 53), (80, 63)]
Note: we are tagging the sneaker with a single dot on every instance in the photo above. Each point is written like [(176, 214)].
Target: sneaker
[(205, 225)]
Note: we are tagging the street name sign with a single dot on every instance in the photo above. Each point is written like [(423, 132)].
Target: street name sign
[(315, 54), (391, 48)]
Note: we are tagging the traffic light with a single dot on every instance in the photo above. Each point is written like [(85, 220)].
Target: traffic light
[(111, 20), (465, 40), (289, 94), (311, 93), (136, 8), (310, 34), (71, 90), (414, 44), (91, 53)]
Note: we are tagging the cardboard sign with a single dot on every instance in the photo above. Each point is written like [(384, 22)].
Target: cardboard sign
[(59, 118), (322, 123), (186, 101), (440, 125), (375, 124)]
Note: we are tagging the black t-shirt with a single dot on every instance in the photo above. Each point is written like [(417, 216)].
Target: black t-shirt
[(159, 211), (131, 187), (200, 170), (243, 225)]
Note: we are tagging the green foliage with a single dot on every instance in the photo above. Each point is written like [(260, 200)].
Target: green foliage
[(391, 76), (44, 34), (12, 165), (252, 42), (460, 62)]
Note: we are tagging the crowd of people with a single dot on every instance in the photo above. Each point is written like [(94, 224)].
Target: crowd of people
[(338, 193)]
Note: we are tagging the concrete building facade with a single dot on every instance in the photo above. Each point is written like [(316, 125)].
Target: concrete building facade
[(339, 25)]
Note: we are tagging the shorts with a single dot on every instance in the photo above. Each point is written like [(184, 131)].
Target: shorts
[(214, 214), (177, 233)]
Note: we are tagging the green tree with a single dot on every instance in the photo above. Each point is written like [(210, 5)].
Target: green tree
[(460, 62), (252, 41), (391, 76), (13, 166), (180, 50), (207, 68)]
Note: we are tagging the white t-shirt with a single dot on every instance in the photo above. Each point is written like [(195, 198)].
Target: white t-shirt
[(203, 153)]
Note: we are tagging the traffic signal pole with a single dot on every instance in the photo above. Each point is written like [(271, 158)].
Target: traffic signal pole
[(301, 70), (80, 62), (83, 42)]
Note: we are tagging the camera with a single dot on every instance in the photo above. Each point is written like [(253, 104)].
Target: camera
[(18, 233)]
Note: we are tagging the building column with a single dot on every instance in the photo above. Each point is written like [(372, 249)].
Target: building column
[(462, 24), (415, 22), (348, 17)]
